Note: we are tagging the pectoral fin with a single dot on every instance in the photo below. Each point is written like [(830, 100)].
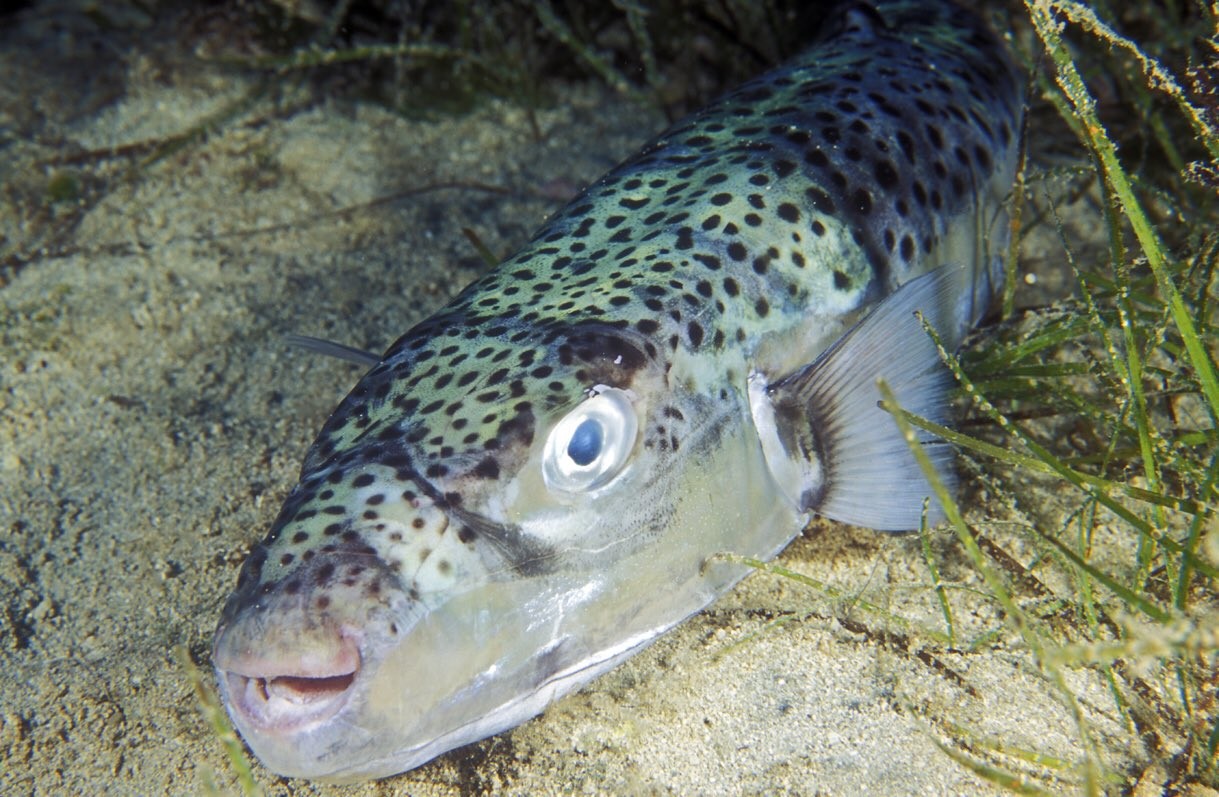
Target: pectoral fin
[(832, 449)]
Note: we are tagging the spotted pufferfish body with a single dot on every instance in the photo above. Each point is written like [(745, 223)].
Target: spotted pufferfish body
[(530, 486)]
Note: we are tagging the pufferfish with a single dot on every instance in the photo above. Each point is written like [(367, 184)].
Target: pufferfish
[(533, 484)]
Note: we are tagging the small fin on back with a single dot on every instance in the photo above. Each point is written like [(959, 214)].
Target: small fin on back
[(332, 349), (833, 450)]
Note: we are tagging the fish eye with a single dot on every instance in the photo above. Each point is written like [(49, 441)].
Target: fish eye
[(591, 444)]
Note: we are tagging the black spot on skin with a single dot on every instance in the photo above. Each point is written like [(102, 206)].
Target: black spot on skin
[(935, 137), (886, 175), (841, 281), (821, 201), (907, 144), (862, 201), (982, 157), (488, 468)]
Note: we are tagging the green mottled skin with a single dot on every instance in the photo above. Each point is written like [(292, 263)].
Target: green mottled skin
[(709, 238), (788, 206)]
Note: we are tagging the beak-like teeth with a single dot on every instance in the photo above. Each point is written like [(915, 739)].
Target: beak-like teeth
[(287, 695)]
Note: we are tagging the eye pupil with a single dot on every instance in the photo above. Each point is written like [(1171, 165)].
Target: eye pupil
[(585, 443)]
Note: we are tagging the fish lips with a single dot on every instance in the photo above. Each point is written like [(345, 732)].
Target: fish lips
[(266, 696), (288, 661)]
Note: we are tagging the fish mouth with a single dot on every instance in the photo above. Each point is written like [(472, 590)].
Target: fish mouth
[(289, 695)]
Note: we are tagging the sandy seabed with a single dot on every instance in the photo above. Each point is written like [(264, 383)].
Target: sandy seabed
[(151, 421)]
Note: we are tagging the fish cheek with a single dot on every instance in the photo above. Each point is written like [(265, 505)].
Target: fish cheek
[(578, 528), (524, 493)]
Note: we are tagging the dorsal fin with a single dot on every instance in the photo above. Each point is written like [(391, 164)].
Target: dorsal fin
[(332, 349)]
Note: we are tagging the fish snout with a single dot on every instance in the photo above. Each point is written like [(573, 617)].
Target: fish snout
[(278, 691), (288, 656)]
